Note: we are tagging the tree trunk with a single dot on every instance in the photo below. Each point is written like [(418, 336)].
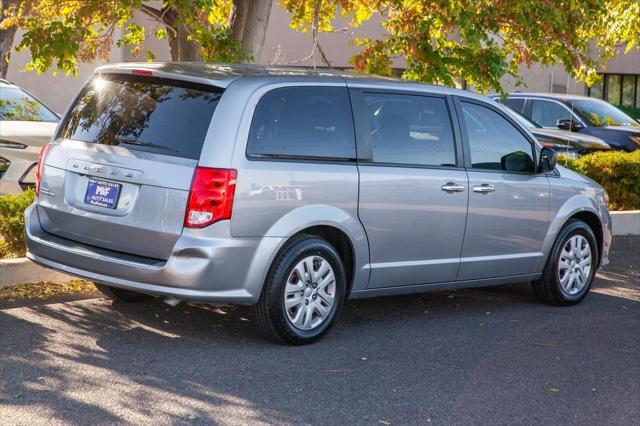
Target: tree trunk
[(180, 48), (249, 25), (6, 40)]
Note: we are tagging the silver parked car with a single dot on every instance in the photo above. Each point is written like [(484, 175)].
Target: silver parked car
[(293, 190), (26, 124)]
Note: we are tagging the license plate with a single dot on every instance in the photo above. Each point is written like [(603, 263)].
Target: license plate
[(102, 193)]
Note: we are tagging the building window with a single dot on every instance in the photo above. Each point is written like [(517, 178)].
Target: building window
[(618, 89), (596, 91), (628, 89), (614, 89)]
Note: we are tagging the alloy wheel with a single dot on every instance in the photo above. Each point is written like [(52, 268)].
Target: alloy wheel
[(574, 265), (310, 293)]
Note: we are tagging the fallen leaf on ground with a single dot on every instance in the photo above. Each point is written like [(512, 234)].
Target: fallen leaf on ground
[(43, 290)]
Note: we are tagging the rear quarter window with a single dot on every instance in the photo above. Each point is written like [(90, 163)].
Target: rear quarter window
[(143, 113), (307, 122)]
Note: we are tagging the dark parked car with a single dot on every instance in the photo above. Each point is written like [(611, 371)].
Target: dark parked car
[(579, 114), (562, 141)]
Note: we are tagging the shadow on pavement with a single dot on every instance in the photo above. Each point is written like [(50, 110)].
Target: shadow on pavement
[(492, 355)]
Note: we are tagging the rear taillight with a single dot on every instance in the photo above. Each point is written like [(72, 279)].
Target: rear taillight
[(210, 197), (39, 171)]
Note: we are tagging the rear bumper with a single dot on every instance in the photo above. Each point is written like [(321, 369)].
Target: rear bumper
[(205, 265)]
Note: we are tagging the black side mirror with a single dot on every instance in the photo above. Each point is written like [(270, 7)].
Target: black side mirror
[(517, 162), (548, 160), (568, 124)]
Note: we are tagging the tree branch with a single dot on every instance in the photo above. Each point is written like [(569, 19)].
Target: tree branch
[(159, 16), (316, 43)]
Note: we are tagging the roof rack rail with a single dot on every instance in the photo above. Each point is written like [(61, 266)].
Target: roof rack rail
[(5, 81)]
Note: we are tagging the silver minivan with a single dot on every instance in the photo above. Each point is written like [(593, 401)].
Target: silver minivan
[(293, 190)]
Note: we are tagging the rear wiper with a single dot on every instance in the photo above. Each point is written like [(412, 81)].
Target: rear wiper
[(129, 141)]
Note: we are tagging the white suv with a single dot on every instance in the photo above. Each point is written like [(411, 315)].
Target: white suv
[(26, 124)]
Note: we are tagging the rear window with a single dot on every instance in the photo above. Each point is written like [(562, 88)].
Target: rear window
[(143, 113), (17, 105), (303, 122)]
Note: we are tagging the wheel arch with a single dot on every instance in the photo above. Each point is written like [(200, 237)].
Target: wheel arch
[(578, 207), (594, 222), (341, 242), (337, 226)]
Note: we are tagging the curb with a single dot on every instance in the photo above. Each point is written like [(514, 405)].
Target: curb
[(625, 222), (22, 270)]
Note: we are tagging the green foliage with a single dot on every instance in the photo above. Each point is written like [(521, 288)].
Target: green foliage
[(618, 172), (12, 209), (631, 112), (480, 41), (218, 45), (62, 34), (444, 41)]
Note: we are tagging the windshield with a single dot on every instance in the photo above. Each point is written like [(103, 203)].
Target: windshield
[(143, 113), (600, 113), (17, 105)]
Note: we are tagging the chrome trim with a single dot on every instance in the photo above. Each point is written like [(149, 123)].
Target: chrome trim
[(485, 188), (452, 187)]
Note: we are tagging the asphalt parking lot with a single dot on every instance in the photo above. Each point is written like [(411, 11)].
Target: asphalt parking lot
[(482, 356)]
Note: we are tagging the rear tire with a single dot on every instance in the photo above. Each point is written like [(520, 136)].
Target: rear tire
[(121, 295), (303, 293), (571, 266)]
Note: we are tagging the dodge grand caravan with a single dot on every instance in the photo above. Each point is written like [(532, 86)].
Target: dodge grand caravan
[(293, 190)]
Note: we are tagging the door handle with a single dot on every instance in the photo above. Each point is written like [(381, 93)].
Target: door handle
[(452, 187), (485, 188)]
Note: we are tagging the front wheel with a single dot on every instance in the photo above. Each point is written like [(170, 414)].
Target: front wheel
[(303, 293), (571, 266)]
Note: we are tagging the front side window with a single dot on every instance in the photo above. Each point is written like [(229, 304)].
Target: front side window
[(495, 143), (407, 129), (17, 105), (547, 113), (516, 104), (303, 122)]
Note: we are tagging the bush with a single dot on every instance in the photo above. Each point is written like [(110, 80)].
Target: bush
[(12, 209), (618, 172), (631, 112)]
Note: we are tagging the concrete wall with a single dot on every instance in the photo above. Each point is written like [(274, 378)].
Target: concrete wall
[(285, 46)]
